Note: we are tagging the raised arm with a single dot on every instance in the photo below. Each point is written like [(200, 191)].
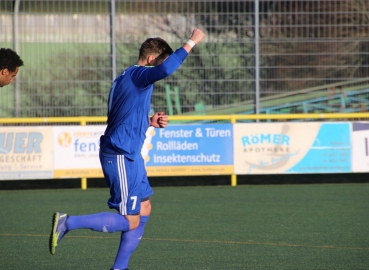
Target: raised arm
[(197, 36), (175, 60)]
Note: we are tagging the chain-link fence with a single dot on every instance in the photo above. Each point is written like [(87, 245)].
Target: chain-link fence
[(264, 56)]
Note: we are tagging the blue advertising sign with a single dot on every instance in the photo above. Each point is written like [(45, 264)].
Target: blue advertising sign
[(330, 152), (190, 150), (278, 148)]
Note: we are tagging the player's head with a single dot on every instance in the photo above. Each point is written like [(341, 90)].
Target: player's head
[(154, 51), (9, 65)]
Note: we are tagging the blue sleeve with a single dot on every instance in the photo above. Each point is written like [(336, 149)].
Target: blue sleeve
[(150, 75)]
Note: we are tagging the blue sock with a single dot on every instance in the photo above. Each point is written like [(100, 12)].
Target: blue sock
[(128, 243), (101, 222)]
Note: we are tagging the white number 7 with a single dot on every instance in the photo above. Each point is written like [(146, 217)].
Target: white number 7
[(134, 199)]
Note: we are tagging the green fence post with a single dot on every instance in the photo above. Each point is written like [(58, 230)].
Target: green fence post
[(169, 99)]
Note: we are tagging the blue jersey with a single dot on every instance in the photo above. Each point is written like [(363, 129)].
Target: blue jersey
[(129, 105)]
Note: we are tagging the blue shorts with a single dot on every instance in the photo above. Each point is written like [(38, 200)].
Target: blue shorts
[(128, 183)]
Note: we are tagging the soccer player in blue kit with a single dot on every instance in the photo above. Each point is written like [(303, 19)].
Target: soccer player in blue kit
[(120, 149)]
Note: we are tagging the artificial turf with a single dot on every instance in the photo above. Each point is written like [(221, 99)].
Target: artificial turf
[(301, 226)]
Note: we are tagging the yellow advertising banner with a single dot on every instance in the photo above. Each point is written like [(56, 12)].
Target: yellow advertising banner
[(189, 170), (78, 173)]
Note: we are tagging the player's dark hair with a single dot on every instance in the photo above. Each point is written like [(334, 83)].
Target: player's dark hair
[(9, 59), (155, 45)]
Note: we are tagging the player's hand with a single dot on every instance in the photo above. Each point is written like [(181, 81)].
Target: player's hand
[(197, 35), (159, 120)]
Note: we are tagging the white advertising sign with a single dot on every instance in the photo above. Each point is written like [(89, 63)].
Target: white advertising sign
[(76, 151), (26, 153), (360, 147)]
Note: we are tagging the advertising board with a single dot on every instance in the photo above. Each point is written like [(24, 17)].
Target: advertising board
[(277, 148), (76, 151), (189, 150), (26, 153), (360, 147)]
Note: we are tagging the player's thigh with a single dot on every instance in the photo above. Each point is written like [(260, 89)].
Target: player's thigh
[(145, 208), (123, 177), (134, 221), (139, 187)]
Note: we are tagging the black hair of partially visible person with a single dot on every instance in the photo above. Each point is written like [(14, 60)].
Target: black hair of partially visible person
[(9, 59)]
